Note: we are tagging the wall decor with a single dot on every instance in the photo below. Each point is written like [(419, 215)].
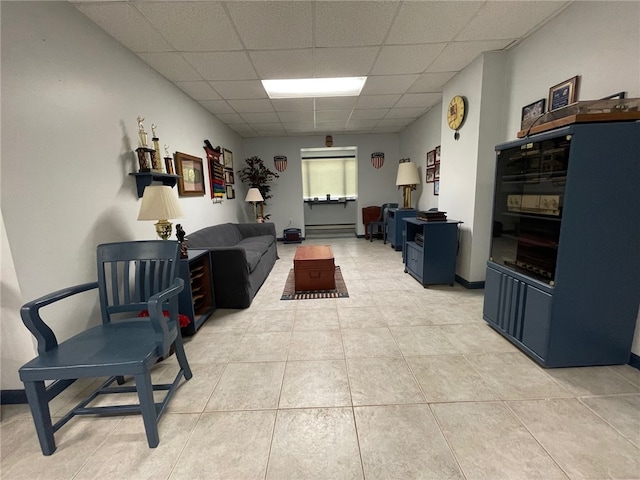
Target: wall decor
[(191, 171), (531, 112), (280, 162), (563, 94), (436, 187), (616, 96), (436, 175), (228, 177), (227, 155), (231, 193), (377, 159), (438, 154), (431, 174), (431, 158)]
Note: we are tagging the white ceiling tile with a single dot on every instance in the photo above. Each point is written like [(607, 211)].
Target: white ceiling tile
[(217, 106), (344, 62), (268, 128), (409, 112), (369, 114), (171, 65), (198, 90), (293, 104), (387, 129), (360, 123), (273, 25), (221, 65), (508, 20), (395, 122), (333, 115), (290, 117), (249, 106), (388, 84), (229, 118), (261, 117), (127, 25), (377, 101), (353, 24), (421, 22), (418, 100), (298, 127), (330, 126), (335, 103), (283, 63), (242, 128), (396, 59), (458, 55), (431, 82), (239, 89), (192, 26)]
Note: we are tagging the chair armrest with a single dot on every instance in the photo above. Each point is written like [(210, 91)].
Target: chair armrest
[(154, 307), (30, 313)]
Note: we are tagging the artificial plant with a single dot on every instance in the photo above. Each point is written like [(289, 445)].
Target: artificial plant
[(257, 175)]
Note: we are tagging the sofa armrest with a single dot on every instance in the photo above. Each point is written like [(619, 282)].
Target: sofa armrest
[(256, 229)]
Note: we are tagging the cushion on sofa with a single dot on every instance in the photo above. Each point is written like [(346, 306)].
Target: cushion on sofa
[(255, 247), (223, 235)]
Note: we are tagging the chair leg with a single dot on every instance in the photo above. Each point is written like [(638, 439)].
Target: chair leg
[(39, 405), (120, 380), (182, 358), (370, 232), (148, 408)]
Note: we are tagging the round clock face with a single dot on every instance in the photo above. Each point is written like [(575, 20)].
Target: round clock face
[(456, 112)]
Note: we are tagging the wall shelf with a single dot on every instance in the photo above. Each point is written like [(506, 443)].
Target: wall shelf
[(143, 179)]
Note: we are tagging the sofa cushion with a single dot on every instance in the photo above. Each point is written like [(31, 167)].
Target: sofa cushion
[(255, 247), (224, 235)]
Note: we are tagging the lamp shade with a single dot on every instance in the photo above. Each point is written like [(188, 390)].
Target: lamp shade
[(407, 174), (254, 195), (159, 202)]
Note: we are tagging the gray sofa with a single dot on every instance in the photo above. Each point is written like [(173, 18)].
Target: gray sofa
[(242, 255)]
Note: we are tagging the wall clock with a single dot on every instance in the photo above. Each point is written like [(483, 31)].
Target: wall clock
[(456, 114)]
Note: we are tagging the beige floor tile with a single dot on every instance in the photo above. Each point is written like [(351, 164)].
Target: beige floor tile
[(360, 317), (449, 378), (382, 381), (212, 347), (248, 386), (272, 321), (227, 445), (622, 412), (369, 342), (490, 443), (316, 318), (192, 396), (403, 442), (580, 442), (592, 381), (315, 444), (318, 383), (404, 315), (423, 340), (514, 376), (477, 338), (262, 347), (627, 371), (316, 344)]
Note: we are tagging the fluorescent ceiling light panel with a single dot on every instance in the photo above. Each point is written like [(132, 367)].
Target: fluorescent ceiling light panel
[(314, 87)]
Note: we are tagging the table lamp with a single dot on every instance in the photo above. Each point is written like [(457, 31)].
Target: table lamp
[(159, 202), (254, 196), (407, 178)]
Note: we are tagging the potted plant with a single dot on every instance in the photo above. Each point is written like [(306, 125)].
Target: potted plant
[(257, 175)]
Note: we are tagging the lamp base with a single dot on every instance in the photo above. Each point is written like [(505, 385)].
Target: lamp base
[(163, 229), (406, 196)]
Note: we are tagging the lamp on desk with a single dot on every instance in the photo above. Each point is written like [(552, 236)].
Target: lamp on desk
[(407, 178), (159, 202), (254, 196)]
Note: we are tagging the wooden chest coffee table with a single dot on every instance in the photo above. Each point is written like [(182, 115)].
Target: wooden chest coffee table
[(314, 268)]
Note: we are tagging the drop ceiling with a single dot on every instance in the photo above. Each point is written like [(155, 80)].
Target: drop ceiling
[(217, 53)]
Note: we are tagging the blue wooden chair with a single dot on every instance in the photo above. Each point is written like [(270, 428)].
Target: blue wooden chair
[(381, 223), (132, 277)]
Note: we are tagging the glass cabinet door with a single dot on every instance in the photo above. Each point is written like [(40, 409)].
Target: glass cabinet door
[(527, 213)]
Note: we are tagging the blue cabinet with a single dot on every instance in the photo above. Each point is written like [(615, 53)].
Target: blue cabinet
[(431, 260), (395, 226), (197, 300), (563, 282)]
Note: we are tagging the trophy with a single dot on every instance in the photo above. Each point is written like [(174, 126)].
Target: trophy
[(145, 156), (168, 161)]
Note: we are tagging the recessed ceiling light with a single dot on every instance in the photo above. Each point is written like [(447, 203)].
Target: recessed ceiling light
[(314, 87)]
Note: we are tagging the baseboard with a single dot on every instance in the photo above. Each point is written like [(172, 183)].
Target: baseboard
[(468, 284), (12, 397), (634, 360)]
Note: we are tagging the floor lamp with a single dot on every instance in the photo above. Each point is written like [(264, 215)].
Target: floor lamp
[(254, 196), (407, 178)]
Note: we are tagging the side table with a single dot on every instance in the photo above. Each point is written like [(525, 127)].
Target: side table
[(197, 300)]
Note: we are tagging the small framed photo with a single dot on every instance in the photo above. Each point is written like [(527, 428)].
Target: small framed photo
[(431, 174), (228, 177), (231, 193), (191, 171), (563, 94), (436, 187), (431, 158), (531, 112), (438, 154), (227, 156), (436, 175)]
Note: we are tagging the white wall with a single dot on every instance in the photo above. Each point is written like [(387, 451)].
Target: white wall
[(375, 186), (70, 98)]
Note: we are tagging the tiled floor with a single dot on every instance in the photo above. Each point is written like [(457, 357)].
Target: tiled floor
[(395, 382)]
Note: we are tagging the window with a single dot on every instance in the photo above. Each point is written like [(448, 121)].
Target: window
[(329, 171)]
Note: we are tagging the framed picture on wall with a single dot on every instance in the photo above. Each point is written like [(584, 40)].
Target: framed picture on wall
[(436, 187), (227, 156), (437, 150), (436, 175), (431, 158), (191, 171), (563, 94), (431, 175), (231, 193)]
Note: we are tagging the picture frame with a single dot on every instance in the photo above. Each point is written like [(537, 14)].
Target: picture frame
[(228, 177), (227, 156), (431, 158), (231, 193), (532, 111), (436, 187), (616, 96), (436, 175), (431, 175), (563, 94), (191, 172), (438, 154)]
